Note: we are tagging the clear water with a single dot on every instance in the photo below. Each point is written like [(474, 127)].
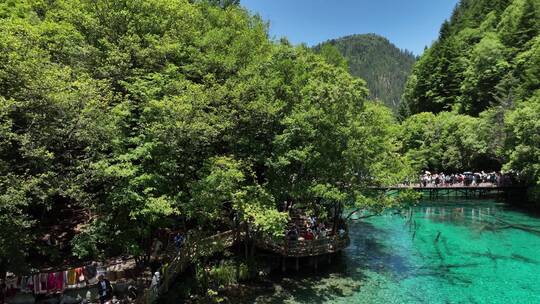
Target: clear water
[(446, 252)]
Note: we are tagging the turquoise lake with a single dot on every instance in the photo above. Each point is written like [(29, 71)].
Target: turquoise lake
[(448, 251)]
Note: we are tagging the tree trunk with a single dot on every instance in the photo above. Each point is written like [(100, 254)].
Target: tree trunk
[(246, 241), (337, 215), (3, 270), (236, 240)]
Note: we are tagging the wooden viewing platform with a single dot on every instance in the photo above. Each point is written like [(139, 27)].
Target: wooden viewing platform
[(197, 247), (209, 246), (306, 248)]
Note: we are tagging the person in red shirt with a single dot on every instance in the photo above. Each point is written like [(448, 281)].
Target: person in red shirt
[(309, 235)]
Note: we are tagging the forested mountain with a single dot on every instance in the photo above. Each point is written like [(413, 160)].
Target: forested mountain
[(380, 63), (486, 55), (119, 118), (483, 76)]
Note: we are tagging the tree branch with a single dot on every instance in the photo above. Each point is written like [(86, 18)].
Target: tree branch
[(359, 218), (364, 217)]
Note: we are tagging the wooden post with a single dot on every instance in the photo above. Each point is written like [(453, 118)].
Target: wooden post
[(316, 261), (297, 264), (283, 264)]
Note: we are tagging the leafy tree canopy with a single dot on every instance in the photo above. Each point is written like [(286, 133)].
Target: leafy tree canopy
[(119, 118)]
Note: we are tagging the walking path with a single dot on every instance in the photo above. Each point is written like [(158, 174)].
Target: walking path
[(191, 251)]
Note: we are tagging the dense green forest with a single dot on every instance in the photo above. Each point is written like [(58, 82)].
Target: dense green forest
[(480, 81), (122, 117), (380, 63)]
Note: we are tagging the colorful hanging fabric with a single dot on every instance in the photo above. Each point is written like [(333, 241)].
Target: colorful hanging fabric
[(31, 283), (65, 275), (59, 281), (71, 278), (37, 285), (23, 281), (27, 284), (51, 282), (43, 282)]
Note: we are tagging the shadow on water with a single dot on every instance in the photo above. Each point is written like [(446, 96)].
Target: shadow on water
[(368, 252), (301, 290), (498, 257), (343, 277)]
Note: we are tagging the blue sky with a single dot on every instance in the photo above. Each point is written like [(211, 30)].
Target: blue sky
[(410, 24)]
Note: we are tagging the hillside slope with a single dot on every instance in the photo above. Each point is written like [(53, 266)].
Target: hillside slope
[(380, 63)]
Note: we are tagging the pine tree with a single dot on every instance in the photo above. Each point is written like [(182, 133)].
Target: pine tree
[(527, 24)]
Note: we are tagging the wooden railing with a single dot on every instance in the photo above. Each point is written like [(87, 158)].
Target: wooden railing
[(190, 252), (306, 248)]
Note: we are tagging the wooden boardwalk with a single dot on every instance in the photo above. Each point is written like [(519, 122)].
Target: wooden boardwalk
[(190, 252), (193, 250), (473, 191)]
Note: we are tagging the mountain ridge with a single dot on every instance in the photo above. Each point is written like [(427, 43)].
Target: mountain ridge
[(378, 61)]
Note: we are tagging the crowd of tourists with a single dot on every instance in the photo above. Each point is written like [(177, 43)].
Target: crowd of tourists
[(310, 229), (466, 179)]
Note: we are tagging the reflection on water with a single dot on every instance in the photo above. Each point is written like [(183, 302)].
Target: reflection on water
[(457, 214), (452, 252)]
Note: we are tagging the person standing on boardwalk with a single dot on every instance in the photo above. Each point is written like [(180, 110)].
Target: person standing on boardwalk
[(156, 280), (104, 290), (178, 241)]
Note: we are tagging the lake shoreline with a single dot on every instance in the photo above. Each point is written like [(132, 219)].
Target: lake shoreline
[(450, 256)]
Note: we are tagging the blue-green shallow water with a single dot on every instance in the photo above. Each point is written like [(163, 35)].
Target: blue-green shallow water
[(478, 257)]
